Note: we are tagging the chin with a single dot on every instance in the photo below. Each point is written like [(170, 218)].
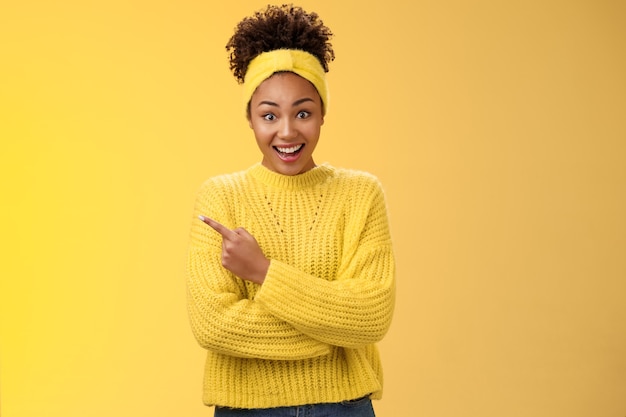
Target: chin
[(291, 170)]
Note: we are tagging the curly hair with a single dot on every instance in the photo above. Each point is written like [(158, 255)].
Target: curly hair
[(278, 27)]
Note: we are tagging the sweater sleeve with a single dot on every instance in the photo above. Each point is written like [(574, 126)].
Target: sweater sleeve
[(223, 319), (356, 307)]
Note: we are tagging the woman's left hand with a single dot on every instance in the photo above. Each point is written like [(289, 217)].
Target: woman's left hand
[(241, 253)]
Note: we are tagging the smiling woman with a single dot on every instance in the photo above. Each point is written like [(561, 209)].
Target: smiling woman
[(291, 268), (286, 116)]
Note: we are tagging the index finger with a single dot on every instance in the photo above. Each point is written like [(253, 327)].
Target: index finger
[(218, 227)]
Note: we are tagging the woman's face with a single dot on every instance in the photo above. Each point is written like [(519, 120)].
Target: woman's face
[(286, 116)]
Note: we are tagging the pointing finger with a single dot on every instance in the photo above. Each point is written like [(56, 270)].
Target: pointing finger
[(218, 227)]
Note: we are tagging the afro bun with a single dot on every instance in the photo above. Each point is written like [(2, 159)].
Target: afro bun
[(278, 27)]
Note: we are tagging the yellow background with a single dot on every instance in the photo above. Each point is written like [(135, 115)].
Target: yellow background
[(497, 127)]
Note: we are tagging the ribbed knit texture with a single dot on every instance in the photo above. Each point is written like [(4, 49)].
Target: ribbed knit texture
[(308, 334)]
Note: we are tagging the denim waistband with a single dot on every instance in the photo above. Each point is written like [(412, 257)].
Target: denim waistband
[(360, 407)]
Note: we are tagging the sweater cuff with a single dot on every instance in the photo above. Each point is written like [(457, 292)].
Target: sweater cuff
[(272, 283), (288, 294), (282, 288)]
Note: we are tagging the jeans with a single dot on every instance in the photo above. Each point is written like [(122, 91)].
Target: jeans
[(361, 407)]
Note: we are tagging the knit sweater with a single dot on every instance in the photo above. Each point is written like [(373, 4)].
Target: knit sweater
[(308, 333)]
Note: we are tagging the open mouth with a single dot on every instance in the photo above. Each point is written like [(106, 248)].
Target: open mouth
[(289, 152)]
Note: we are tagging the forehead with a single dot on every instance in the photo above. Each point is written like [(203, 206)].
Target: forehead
[(285, 86)]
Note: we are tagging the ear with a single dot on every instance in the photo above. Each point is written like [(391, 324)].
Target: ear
[(249, 122)]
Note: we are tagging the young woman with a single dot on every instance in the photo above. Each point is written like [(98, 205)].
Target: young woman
[(291, 269)]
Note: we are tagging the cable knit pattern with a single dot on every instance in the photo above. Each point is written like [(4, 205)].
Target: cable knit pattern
[(307, 335)]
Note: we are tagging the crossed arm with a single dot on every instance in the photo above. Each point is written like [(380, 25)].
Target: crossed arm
[(293, 315)]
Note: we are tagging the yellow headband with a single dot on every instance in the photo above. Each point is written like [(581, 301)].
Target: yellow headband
[(299, 62)]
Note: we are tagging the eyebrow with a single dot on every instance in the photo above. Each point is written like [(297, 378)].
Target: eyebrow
[(295, 103)]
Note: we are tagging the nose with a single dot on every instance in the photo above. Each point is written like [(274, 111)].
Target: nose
[(287, 130)]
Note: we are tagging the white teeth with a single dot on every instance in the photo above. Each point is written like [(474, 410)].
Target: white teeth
[(291, 149)]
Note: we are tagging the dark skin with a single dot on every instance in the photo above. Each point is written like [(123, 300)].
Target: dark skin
[(241, 253)]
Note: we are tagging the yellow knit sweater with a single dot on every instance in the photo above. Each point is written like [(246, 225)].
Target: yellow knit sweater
[(307, 335)]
